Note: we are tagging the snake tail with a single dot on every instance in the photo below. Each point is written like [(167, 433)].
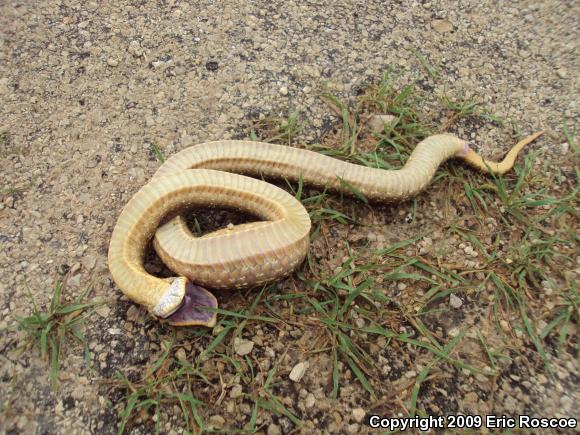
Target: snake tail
[(478, 162)]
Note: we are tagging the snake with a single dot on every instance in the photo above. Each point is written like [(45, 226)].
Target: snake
[(221, 174)]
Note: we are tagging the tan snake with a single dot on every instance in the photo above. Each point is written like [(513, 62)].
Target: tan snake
[(250, 254)]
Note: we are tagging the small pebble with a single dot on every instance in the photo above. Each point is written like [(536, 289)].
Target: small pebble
[(562, 73), (133, 313), (243, 347), (135, 49), (236, 391), (180, 354), (298, 371), (358, 414), (442, 26), (454, 301), (217, 421), (103, 311), (89, 262), (353, 428), (504, 325), (453, 332)]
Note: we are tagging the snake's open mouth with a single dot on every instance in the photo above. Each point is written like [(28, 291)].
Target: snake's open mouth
[(191, 312)]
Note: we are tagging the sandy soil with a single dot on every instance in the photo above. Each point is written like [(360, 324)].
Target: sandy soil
[(86, 89)]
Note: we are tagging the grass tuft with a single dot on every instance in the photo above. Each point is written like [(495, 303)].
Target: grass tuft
[(157, 152), (50, 329)]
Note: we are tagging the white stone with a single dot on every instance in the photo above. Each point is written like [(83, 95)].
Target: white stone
[(454, 301), (310, 400), (298, 371), (243, 347)]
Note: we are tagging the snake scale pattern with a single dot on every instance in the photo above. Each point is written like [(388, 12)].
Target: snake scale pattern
[(217, 174)]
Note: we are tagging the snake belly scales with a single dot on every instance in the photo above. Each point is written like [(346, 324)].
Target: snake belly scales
[(251, 254)]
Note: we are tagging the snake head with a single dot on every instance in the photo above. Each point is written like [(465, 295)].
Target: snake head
[(183, 305)]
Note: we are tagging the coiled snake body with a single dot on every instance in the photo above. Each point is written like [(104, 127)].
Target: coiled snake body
[(247, 255)]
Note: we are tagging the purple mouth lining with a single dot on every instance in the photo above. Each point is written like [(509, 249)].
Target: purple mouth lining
[(191, 310)]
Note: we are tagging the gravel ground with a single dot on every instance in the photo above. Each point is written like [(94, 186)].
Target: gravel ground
[(88, 87)]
